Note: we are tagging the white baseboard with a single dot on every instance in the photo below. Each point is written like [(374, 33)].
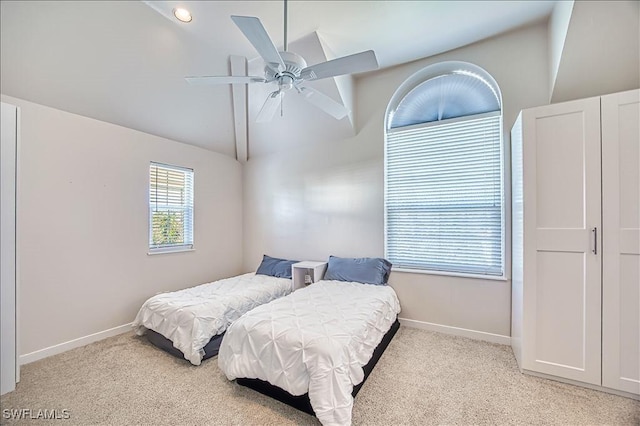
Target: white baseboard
[(584, 385), (71, 344), (463, 332)]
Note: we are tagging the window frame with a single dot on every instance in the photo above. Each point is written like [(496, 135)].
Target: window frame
[(171, 248), (403, 90)]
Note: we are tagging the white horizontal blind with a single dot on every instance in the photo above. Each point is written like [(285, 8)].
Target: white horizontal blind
[(170, 207), (443, 198)]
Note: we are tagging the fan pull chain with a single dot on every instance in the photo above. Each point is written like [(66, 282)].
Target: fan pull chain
[(281, 109)]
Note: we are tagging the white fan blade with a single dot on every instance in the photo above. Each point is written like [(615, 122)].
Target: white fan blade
[(358, 62), (208, 80), (252, 28), (270, 107), (324, 102)]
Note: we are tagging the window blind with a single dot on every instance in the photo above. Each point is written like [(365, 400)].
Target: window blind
[(170, 207), (443, 199)]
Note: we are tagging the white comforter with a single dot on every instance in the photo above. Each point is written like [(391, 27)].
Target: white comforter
[(191, 317), (315, 340)]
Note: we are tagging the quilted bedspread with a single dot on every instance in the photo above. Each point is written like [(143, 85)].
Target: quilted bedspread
[(315, 340), (191, 317)]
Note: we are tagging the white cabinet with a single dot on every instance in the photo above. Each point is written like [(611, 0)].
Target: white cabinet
[(576, 214), (621, 241), (307, 272)]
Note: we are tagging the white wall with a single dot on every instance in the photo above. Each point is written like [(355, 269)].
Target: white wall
[(83, 217), (327, 198), (558, 27), (601, 52)]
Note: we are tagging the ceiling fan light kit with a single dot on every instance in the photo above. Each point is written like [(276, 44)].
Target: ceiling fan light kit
[(289, 70)]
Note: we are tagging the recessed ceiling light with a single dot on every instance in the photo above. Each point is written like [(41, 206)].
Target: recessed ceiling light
[(182, 14)]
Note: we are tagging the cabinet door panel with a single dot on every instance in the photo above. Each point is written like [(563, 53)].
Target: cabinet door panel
[(560, 171), (629, 355), (621, 244), (560, 291)]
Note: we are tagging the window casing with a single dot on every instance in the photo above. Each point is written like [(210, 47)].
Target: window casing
[(444, 195), (170, 208)]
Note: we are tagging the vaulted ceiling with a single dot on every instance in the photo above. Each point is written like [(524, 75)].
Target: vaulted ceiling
[(124, 62)]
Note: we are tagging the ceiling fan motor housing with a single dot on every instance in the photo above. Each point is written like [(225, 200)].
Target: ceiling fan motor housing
[(294, 64), (289, 70)]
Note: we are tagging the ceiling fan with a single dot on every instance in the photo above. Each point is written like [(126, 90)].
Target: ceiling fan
[(288, 70)]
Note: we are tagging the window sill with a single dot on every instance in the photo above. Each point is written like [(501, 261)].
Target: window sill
[(451, 274), (169, 250)]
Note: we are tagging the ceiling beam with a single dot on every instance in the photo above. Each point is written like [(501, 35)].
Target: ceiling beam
[(239, 98)]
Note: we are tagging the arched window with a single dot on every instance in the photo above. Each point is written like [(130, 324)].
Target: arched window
[(444, 202)]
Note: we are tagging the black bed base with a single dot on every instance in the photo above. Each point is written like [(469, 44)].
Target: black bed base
[(302, 402), (210, 349)]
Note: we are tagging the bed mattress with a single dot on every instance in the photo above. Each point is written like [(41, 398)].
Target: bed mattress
[(302, 402), (316, 340), (189, 318)]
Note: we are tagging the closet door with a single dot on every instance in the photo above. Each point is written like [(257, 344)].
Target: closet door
[(562, 203), (8, 359), (621, 226)]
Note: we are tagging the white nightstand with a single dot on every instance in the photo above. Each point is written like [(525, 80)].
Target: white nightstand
[(307, 272)]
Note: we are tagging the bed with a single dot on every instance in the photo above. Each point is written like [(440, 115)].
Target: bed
[(191, 323), (313, 348)]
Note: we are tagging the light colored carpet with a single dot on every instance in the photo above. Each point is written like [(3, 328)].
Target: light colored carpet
[(423, 378)]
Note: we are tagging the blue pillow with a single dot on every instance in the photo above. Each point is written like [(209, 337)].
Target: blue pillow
[(274, 267), (369, 270)]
